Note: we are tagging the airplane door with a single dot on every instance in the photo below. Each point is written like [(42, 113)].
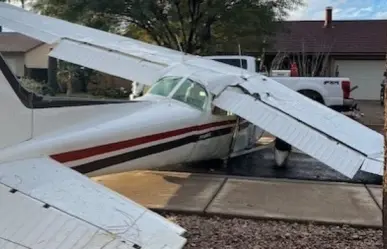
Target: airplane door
[(214, 137), (214, 128), (247, 136), (213, 133)]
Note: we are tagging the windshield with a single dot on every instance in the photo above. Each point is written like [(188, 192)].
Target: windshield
[(165, 85), (191, 93)]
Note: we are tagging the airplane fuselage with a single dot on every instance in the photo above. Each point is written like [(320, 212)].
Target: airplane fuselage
[(172, 124)]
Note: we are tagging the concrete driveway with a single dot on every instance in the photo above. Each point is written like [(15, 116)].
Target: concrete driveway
[(373, 113)]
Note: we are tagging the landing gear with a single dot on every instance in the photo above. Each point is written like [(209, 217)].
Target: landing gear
[(281, 152)]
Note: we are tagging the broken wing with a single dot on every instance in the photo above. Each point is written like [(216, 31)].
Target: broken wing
[(46, 205), (332, 138)]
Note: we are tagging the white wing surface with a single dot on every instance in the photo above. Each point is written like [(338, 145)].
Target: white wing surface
[(47, 205), (341, 143), (332, 138), (123, 57)]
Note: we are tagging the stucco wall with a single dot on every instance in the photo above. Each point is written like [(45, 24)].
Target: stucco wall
[(16, 62), (38, 57)]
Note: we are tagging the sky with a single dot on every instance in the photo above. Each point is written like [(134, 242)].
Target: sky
[(342, 10)]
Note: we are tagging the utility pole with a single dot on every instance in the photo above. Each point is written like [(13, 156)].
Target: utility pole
[(385, 161)]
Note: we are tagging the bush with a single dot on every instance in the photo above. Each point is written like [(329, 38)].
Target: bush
[(115, 93), (36, 87)]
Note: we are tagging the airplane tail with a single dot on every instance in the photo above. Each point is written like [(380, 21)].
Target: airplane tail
[(15, 108)]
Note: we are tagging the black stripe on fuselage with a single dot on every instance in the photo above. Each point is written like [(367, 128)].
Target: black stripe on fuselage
[(34, 101), (154, 149)]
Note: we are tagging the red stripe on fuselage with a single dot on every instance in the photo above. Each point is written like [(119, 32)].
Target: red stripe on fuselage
[(101, 149)]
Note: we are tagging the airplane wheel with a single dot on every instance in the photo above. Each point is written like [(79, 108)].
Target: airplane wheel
[(281, 153), (281, 158)]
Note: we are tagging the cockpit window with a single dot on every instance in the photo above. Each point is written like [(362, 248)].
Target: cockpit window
[(192, 93), (164, 86)]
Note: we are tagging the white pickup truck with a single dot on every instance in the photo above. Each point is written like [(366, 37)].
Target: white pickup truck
[(333, 92)]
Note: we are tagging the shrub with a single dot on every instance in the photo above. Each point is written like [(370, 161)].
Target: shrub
[(36, 87), (115, 93)]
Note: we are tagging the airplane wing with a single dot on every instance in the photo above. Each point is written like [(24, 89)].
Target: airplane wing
[(327, 135), (47, 205), (336, 140), (122, 56)]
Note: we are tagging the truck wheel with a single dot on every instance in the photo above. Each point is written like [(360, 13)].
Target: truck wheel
[(312, 95)]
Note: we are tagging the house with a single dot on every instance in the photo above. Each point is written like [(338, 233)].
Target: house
[(23, 54), (28, 57), (351, 48)]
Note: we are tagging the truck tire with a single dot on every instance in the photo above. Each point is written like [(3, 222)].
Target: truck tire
[(312, 95)]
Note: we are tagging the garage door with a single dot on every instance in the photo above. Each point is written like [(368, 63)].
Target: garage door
[(367, 74)]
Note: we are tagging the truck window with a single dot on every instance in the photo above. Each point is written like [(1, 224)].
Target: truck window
[(233, 62)]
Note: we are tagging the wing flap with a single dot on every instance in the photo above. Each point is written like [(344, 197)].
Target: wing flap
[(372, 165), (331, 152), (126, 66), (84, 202)]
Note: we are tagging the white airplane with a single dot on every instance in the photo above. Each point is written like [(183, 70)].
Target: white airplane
[(196, 109)]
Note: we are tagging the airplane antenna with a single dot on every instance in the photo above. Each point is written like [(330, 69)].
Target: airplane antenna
[(180, 48)]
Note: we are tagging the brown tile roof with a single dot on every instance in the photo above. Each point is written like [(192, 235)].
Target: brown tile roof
[(345, 37), (16, 42)]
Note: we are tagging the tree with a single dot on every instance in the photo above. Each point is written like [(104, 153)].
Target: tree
[(310, 63), (195, 26), (22, 2)]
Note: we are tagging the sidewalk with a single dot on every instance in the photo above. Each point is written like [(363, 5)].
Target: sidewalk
[(302, 201)]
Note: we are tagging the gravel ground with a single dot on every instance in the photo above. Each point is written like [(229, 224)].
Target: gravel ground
[(222, 233)]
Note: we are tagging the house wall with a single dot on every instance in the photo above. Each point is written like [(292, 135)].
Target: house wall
[(16, 62), (38, 57)]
